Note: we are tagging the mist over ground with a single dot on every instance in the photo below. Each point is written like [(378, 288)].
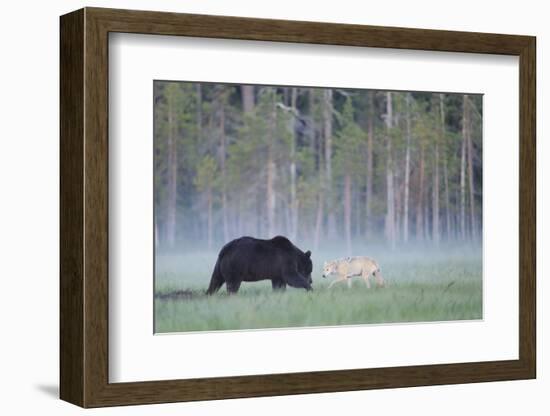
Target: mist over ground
[(424, 284)]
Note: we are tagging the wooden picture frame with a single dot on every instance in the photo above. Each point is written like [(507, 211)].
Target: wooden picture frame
[(84, 207)]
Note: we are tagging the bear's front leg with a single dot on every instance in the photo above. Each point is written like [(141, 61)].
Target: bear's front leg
[(298, 281), (278, 285)]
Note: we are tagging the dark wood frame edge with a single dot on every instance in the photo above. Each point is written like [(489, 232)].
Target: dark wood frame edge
[(84, 207)]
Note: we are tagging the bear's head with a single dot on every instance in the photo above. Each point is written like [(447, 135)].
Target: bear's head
[(305, 266)]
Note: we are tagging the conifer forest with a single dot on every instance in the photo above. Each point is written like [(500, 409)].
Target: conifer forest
[(319, 165)]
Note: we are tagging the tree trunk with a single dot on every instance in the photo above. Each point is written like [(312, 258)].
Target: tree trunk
[(222, 172), (172, 175), (347, 211), (257, 217), (390, 213), (199, 112), (209, 201), (156, 233), (407, 172), (293, 198), (358, 228), (427, 218), (270, 189), (370, 144), (311, 130), (448, 216), (398, 204), (470, 151), (317, 148), (420, 197), (327, 130), (318, 221), (247, 92), (435, 194), (463, 169), (445, 168)]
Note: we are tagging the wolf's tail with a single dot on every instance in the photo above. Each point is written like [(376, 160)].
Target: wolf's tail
[(216, 281)]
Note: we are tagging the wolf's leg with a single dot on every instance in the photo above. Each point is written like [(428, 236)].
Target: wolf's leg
[(349, 282), (380, 282), (333, 283), (366, 278), (338, 279)]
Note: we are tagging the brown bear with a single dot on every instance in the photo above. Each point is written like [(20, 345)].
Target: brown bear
[(249, 259)]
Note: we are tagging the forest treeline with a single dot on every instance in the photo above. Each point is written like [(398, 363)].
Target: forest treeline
[(315, 164)]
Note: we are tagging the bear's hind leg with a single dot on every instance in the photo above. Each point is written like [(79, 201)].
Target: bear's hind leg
[(215, 283), (233, 286)]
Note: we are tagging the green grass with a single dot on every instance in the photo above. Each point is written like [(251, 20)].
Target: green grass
[(423, 286)]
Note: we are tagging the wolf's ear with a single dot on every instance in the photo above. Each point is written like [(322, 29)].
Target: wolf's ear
[(308, 253)]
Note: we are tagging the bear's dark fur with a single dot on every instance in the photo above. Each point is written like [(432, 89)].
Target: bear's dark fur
[(249, 259)]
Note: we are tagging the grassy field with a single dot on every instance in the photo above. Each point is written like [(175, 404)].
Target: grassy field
[(424, 285)]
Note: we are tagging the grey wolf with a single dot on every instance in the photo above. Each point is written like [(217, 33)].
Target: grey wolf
[(348, 267)]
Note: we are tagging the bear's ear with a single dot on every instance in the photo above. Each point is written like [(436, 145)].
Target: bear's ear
[(308, 253)]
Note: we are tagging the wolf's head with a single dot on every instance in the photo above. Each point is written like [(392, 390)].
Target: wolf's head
[(329, 267)]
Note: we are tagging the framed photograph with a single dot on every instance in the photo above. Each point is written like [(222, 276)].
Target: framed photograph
[(260, 207)]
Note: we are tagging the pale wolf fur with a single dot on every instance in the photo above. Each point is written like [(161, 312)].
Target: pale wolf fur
[(348, 267)]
